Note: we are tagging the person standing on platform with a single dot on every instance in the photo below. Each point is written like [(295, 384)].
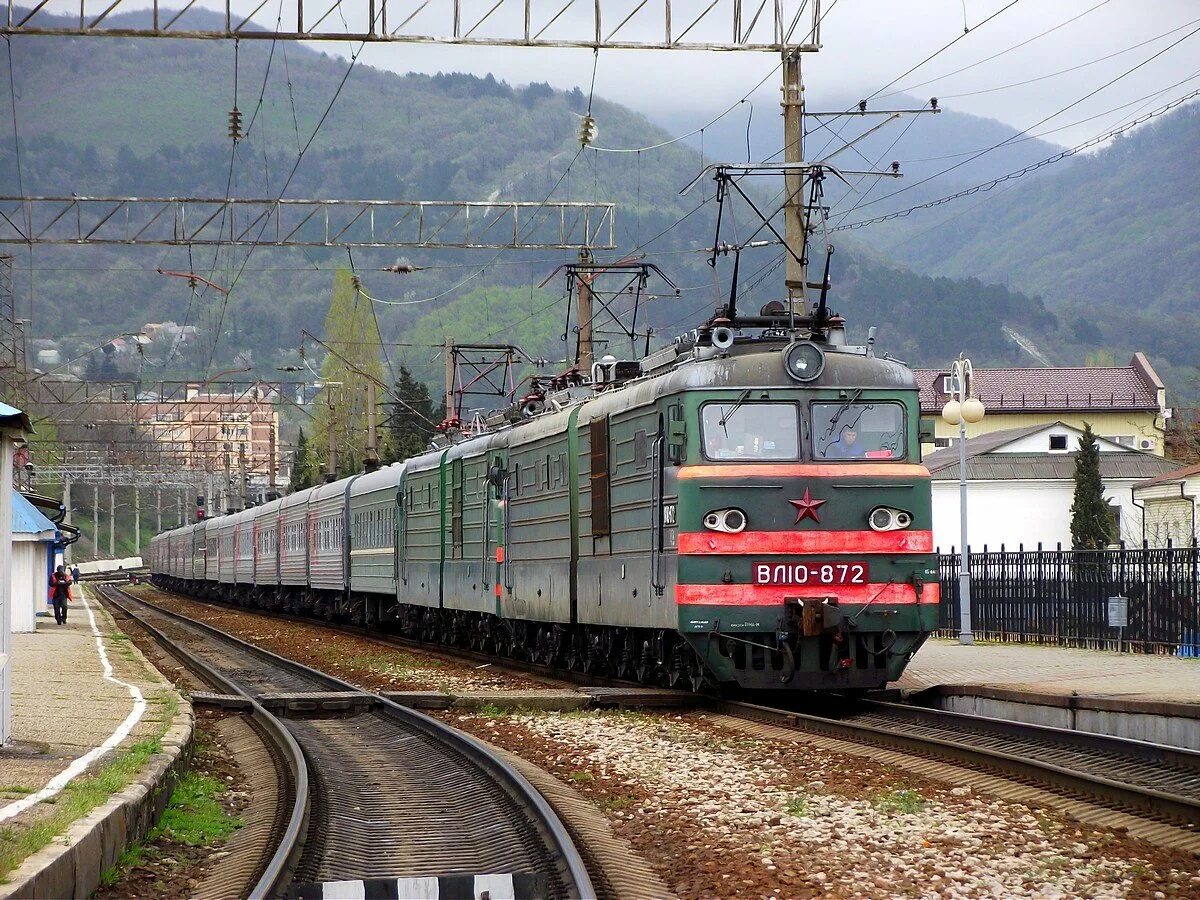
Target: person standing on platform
[(60, 594), (75, 574)]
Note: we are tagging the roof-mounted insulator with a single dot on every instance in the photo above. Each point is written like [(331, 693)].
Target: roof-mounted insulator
[(587, 130), (235, 125)]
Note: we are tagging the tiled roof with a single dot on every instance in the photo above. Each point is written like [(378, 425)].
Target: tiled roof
[(985, 465), (1174, 475), (1053, 467), (1053, 389)]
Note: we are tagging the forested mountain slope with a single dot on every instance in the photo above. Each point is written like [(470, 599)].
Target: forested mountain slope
[(1110, 240), (149, 118)]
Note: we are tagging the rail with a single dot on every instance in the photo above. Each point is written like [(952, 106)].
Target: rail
[(553, 831), (275, 876), (1059, 758)]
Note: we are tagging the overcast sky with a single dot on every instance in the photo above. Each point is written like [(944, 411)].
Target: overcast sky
[(867, 43)]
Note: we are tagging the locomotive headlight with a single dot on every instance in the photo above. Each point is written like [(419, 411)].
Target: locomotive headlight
[(804, 361), (728, 521), (884, 518)]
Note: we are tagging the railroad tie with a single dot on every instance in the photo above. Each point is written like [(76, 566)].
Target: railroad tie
[(523, 885)]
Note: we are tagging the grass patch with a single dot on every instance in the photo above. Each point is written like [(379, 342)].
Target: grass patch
[(900, 800), (193, 816), (491, 711), (582, 777), (76, 800), (612, 804), (383, 662), (798, 806)]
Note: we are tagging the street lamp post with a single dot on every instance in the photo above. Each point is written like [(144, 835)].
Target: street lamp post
[(963, 407)]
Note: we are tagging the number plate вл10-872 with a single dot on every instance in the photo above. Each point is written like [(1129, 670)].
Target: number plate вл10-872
[(810, 573)]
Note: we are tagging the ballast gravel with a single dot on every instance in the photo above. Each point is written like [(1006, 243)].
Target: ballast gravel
[(720, 814), (372, 664)]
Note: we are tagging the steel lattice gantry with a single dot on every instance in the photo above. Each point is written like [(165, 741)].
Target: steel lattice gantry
[(198, 221), (759, 25)]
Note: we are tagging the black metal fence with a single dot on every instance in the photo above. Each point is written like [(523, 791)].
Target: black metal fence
[(1063, 597)]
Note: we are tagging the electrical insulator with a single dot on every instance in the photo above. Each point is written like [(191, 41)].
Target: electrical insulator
[(587, 130), (235, 124), (356, 283)]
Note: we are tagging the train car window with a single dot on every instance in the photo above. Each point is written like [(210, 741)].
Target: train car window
[(750, 431), (601, 511), (858, 431)]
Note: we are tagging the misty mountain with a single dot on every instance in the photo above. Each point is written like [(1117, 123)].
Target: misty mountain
[(1110, 239), (149, 118)]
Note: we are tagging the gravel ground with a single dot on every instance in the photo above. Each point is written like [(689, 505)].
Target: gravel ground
[(719, 814), (370, 664)]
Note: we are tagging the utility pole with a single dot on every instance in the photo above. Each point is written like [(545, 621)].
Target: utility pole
[(272, 463), (179, 506), (96, 521), (226, 497), (795, 212), (585, 315), (448, 353), (68, 555), (371, 454), (331, 442), (137, 520), (112, 521), (158, 509), (245, 484)]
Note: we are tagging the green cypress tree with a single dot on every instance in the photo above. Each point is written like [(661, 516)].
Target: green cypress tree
[(303, 475), (1092, 526), (412, 418)]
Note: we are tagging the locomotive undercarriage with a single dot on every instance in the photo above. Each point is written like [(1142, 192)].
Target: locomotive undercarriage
[(653, 657)]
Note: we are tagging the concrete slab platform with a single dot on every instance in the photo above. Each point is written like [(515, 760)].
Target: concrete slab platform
[(1056, 671), (71, 717)]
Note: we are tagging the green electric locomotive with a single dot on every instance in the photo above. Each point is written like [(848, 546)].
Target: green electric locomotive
[(745, 506)]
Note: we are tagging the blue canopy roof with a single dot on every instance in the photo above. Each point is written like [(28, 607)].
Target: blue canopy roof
[(12, 417), (27, 519)]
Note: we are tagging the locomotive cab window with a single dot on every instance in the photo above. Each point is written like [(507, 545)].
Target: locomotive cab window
[(858, 431), (737, 430)]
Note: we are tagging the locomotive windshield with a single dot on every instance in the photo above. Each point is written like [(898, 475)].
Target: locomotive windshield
[(737, 430), (858, 430)]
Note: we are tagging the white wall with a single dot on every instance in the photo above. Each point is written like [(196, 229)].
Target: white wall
[(1013, 513), (1039, 442), (29, 583)]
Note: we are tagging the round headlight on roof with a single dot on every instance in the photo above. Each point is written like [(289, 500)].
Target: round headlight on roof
[(804, 361)]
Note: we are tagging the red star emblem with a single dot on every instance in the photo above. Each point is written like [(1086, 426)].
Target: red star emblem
[(806, 507)]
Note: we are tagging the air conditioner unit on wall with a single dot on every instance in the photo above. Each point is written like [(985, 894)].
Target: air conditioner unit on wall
[(1146, 444)]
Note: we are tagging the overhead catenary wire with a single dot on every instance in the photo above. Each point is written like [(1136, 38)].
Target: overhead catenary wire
[(1013, 137), (1069, 69), (1026, 170), (920, 84)]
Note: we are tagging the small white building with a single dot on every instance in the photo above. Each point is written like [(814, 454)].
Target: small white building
[(1021, 483), (33, 555), (1170, 503)]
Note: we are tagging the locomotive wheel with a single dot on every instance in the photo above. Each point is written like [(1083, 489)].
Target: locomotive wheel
[(371, 614), (679, 670), (627, 661), (646, 664), (520, 640)]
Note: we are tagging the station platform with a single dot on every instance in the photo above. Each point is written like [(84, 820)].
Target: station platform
[(1142, 696), (1049, 670), (87, 710)]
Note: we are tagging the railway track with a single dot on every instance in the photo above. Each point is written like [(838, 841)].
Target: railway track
[(1154, 782), (391, 793)]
